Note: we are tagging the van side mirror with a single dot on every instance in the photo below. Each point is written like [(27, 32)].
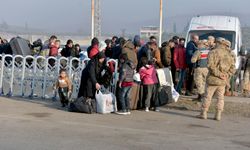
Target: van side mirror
[(243, 51)]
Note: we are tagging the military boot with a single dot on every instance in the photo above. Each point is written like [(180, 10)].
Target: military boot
[(203, 115), (245, 93), (217, 116)]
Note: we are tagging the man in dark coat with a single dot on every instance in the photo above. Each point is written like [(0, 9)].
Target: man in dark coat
[(117, 50), (91, 77), (190, 49)]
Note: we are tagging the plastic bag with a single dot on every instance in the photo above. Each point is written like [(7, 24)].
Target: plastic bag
[(175, 95), (106, 103), (137, 77)]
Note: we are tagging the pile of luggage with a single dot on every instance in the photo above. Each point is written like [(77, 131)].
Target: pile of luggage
[(19, 46), (105, 102)]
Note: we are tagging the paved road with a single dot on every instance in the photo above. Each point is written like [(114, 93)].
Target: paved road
[(36, 125)]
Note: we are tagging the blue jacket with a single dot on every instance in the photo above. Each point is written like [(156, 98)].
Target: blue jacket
[(191, 48)]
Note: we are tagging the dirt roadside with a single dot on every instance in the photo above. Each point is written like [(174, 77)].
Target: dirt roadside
[(236, 106)]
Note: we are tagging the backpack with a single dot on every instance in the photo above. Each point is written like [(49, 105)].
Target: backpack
[(83, 105), (165, 95)]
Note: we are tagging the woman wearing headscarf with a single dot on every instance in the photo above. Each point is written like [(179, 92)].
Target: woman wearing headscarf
[(92, 76)]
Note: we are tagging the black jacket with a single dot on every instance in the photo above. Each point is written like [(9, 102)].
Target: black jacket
[(116, 52), (108, 52), (90, 76), (66, 52)]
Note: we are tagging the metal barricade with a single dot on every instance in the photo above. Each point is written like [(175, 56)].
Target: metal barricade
[(36, 76)]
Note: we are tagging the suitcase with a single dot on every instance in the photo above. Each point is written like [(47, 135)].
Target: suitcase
[(20, 46), (83, 105), (134, 96)]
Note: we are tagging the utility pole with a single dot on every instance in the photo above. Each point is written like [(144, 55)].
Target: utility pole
[(97, 18), (160, 32), (92, 19)]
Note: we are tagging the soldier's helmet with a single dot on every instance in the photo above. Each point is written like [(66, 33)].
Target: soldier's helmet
[(205, 42), (211, 38), (227, 43), (220, 40), (202, 43)]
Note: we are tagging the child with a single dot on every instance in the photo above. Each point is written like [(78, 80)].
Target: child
[(126, 74), (64, 86), (149, 81)]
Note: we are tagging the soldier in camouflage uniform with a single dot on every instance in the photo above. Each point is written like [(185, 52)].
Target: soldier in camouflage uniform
[(221, 66), (200, 73)]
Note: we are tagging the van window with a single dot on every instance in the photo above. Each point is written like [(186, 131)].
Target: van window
[(229, 35)]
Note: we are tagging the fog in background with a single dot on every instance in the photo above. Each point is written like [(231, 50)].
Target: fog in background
[(74, 16)]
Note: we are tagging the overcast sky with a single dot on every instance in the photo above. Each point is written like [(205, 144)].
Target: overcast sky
[(74, 15)]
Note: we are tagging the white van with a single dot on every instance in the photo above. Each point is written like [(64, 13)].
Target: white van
[(218, 26)]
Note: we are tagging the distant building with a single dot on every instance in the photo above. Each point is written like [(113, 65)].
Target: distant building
[(147, 31)]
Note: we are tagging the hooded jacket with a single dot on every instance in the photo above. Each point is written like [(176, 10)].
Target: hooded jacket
[(166, 56), (93, 51), (128, 49), (148, 75)]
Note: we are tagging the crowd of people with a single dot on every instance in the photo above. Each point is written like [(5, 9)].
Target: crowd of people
[(53, 48), (205, 65)]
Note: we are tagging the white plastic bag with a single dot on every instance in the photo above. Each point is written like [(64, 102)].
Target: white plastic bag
[(175, 95), (137, 77), (105, 103)]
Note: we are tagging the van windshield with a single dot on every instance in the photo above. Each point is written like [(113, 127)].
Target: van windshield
[(229, 35)]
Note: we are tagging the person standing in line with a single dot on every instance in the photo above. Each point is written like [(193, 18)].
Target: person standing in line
[(126, 81), (129, 49), (156, 55), (173, 67), (180, 63), (166, 53), (149, 80), (190, 50), (137, 43)]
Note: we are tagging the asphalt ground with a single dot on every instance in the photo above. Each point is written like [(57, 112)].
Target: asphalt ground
[(44, 125)]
